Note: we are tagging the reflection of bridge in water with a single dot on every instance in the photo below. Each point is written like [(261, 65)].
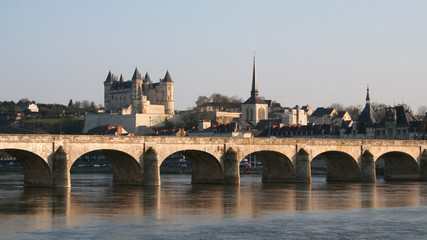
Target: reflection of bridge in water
[(248, 200), (47, 159)]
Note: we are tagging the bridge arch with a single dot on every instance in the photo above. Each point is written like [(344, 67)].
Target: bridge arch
[(340, 166), (400, 166), (277, 167), (126, 169), (37, 171), (205, 167)]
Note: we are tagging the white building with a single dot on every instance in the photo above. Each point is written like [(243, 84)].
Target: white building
[(294, 116)]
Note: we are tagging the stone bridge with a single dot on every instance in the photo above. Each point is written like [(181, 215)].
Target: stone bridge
[(136, 160)]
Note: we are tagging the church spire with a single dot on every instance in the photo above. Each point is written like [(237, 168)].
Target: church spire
[(254, 91), (368, 100)]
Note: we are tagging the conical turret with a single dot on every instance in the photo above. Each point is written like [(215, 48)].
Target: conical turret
[(167, 77), (109, 78), (136, 75), (147, 78)]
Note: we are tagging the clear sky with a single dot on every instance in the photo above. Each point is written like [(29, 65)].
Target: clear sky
[(307, 52)]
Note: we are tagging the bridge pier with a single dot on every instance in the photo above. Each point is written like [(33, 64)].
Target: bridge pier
[(303, 167), (367, 167), (60, 169), (423, 166), (151, 168), (231, 167)]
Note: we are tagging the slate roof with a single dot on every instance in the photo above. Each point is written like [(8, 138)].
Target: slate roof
[(167, 77), (109, 78), (121, 85), (341, 114), (401, 116), (254, 100), (320, 112), (136, 75), (367, 118), (147, 78)]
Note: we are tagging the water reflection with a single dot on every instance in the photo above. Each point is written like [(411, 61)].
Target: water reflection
[(92, 195)]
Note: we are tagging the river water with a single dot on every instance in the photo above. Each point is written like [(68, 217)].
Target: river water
[(93, 208)]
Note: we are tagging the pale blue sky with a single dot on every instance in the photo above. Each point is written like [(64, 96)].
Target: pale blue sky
[(308, 52)]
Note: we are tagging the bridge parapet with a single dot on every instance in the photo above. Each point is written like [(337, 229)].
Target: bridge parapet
[(217, 159)]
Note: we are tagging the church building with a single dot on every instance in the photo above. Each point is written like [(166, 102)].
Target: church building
[(254, 109)]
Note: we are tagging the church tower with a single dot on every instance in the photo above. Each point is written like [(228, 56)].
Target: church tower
[(367, 117), (254, 109)]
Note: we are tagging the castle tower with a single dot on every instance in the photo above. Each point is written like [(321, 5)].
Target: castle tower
[(168, 98), (136, 92), (107, 86), (254, 109)]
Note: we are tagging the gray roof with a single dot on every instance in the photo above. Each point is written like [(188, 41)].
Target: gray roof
[(254, 100), (147, 78), (136, 75), (320, 112), (167, 77), (367, 118), (398, 114), (109, 78)]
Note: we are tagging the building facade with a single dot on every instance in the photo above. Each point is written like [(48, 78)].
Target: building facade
[(254, 109), (138, 95)]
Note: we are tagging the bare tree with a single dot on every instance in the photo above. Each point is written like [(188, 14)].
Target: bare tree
[(379, 109), (422, 110), (201, 100), (337, 106), (354, 111)]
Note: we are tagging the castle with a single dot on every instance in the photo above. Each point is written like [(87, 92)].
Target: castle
[(138, 95), (136, 105)]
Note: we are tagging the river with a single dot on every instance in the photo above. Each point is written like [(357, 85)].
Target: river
[(93, 208)]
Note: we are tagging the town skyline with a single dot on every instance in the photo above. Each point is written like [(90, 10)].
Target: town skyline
[(313, 53)]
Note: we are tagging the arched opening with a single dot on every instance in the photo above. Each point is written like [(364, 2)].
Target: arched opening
[(341, 167), (124, 168), (319, 169), (380, 168), (36, 170), (204, 167), (399, 166), (275, 167)]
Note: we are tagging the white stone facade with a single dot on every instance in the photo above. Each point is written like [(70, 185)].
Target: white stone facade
[(294, 116), (138, 95)]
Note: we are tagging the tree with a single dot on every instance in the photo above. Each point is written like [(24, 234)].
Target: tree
[(337, 106), (76, 107), (354, 111), (85, 104), (92, 107), (422, 110), (379, 109), (201, 100)]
